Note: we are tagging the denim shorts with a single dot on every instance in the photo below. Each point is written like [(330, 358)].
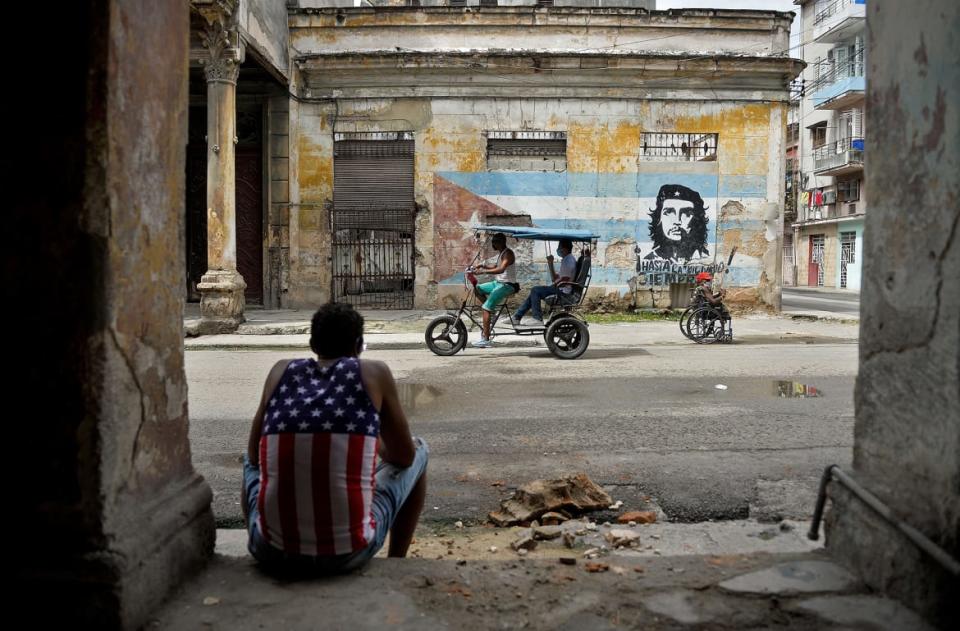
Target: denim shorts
[(393, 487)]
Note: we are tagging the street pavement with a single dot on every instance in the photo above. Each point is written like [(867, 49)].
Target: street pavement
[(821, 302), (640, 413)]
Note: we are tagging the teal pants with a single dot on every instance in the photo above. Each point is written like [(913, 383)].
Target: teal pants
[(496, 293)]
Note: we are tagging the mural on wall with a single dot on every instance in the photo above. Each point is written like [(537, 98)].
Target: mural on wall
[(678, 247), (655, 228)]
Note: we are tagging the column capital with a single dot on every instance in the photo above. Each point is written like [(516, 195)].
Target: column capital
[(221, 40)]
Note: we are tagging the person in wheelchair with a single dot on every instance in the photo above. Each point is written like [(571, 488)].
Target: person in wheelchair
[(704, 294), (568, 270), (496, 291)]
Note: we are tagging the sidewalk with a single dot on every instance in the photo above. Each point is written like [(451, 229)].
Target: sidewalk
[(403, 330), (728, 591)]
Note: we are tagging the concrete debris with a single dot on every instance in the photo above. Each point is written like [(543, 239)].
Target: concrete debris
[(568, 560), (545, 533), (596, 566), (211, 600), (553, 518), (622, 538), (493, 548), (616, 505), (573, 494), (638, 516), (458, 524), (569, 540), (591, 526), (524, 541), (523, 552)]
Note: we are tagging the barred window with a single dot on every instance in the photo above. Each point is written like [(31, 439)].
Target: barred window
[(527, 151), (674, 147)]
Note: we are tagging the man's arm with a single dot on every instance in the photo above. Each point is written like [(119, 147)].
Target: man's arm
[(253, 443), (396, 443), (505, 261)]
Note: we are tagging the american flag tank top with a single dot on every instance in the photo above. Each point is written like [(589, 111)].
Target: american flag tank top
[(318, 455)]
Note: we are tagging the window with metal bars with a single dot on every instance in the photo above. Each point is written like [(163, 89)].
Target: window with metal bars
[(678, 147), (526, 151)]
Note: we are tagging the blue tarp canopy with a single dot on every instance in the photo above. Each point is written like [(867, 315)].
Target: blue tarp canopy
[(540, 234)]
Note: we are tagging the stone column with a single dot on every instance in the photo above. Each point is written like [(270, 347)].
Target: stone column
[(906, 448), (110, 514), (221, 288)]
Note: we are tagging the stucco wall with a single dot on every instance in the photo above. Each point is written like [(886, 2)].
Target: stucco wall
[(907, 431), (264, 24), (606, 187)]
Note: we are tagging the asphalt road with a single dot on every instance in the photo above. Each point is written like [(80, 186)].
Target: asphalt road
[(643, 421), (842, 303)]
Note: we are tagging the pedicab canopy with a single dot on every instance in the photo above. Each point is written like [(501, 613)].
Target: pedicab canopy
[(541, 234)]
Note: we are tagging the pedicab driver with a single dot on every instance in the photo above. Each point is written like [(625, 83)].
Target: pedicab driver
[(497, 290)]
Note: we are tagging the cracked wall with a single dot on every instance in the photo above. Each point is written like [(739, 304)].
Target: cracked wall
[(907, 432)]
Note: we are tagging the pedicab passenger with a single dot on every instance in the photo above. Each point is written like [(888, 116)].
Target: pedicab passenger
[(497, 290), (315, 499), (568, 270)]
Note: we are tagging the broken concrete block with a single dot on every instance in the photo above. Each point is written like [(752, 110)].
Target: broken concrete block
[(569, 540), (524, 542), (622, 538), (638, 516), (545, 533), (573, 494), (552, 518)]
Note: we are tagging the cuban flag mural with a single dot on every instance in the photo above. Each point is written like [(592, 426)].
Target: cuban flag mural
[(655, 228)]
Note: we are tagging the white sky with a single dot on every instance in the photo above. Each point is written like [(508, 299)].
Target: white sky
[(767, 5)]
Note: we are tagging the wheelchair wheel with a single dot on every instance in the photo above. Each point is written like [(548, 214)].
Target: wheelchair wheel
[(706, 326), (567, 338), (446, 335), (684, 318)]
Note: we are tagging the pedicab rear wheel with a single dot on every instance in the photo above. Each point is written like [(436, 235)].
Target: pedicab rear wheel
[(567, 338), (446, 335)]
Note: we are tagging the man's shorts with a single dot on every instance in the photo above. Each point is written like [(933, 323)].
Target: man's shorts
[(393, 487), (496, 293)]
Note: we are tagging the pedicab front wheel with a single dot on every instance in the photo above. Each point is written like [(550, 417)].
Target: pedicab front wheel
[(567, 338), (446, 335)]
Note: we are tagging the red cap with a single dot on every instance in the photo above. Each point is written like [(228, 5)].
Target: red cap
[(704, 276)]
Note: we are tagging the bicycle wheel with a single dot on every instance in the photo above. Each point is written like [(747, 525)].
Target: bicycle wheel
[(567, 338), (706, 326), (446, 335)]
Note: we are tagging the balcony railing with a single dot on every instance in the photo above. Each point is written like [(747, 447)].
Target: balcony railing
[(837, 19), (839, 157)]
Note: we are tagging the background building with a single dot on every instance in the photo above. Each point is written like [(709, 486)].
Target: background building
[(832, 199), (369, 139)]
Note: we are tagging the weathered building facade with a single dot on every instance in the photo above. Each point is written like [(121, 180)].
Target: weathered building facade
[(395, 129), (424, 122)]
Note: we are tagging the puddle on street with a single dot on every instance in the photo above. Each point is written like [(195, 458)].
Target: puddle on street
[(795, 390), (414, 395)]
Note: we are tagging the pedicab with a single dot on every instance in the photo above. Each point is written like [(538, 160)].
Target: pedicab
[(564, 328)]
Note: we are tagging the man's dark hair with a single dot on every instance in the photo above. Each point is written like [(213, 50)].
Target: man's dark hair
[(336, 330), (566, 244), (691, 243), (502, 238)]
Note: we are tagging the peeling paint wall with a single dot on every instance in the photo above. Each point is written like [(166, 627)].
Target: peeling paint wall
[(264, 25), (603, 184)]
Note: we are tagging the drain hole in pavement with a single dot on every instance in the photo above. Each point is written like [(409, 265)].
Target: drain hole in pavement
[(413, 395), (795, 390)]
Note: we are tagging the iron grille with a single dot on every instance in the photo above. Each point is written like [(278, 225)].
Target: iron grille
[(673, 147), (373, 258)]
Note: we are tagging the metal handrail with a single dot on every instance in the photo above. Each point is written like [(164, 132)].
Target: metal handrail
[(834, 473)]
